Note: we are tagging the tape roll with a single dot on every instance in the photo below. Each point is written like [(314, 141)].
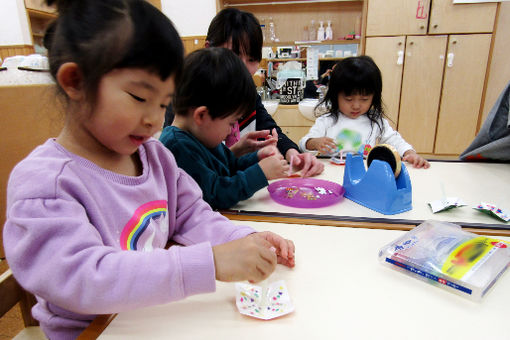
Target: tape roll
[(388, 154)]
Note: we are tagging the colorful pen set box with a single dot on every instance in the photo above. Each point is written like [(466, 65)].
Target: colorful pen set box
[(443, 254)]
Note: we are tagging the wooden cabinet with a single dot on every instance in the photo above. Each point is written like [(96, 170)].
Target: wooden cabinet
[(447, 17), (388, 53), (193, 43), (412, 17), (292, 123), (421, 90), (463, 83), (432, 83)]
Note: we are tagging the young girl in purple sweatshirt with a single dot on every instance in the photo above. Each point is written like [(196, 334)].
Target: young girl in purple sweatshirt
[(89, 213)]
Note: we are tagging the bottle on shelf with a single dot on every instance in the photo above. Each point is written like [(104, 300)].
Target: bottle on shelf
[(306, 35), (272, 31), (329, 31), (264, 29), (320, 31), (357, 28), (311, 31)]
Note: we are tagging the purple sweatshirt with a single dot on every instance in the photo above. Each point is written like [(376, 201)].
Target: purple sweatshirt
[(89, 241)]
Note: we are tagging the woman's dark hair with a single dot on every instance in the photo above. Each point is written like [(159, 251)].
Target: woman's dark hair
[(102, 35), (356, 75), (218, 79), (241, 29)]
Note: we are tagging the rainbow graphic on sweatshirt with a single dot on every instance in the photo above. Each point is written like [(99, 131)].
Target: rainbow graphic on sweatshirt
[(139, 222)]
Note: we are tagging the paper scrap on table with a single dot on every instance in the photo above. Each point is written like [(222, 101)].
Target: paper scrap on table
[(448, 203), (263, 304), (493, 211)]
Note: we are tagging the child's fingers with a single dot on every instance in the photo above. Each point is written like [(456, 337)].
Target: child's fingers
[(274, 134)]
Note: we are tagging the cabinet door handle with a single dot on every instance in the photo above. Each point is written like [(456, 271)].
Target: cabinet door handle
[(449, 59), (400, 58)]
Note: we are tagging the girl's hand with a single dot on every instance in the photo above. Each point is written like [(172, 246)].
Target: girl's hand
[(324, 145), (274, 166), (306, 162), (416, 160), (267, 151), (250, 142), (250, 258), (284, 248)]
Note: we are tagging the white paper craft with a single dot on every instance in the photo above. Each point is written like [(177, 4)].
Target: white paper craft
[(445, 204), (493, 211), (262, 303)]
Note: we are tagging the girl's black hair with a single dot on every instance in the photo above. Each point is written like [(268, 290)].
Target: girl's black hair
[(356, 75), (102, 35), (218, 79), (241, 29)]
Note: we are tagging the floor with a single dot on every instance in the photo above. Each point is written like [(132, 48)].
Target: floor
[(11, 323)]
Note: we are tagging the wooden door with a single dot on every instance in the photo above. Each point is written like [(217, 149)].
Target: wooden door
[(388, 54), (464, 77), (397, 17), (421, 90), (447, 17)]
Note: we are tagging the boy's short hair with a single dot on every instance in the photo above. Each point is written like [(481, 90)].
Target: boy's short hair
[(216, 78), (240, 28)]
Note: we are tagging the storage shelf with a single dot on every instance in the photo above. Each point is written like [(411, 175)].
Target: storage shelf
[(324, 42), (238, 3), (300, 59)]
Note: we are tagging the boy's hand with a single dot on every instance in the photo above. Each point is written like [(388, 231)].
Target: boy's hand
[(416, 160), (250, 258), (267, 151), (307, 163), (250, 142), (274, 166)]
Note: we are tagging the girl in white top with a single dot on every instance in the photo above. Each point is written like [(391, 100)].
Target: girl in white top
[(355, 119)]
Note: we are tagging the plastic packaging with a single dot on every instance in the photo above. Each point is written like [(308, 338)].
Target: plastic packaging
[(444, 255)]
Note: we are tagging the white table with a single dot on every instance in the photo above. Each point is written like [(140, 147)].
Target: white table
[(340, 291), (472, 182)]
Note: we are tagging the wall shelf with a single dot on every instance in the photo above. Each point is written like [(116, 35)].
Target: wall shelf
[(313, 43)]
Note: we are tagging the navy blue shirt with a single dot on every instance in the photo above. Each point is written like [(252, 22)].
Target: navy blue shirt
[(224, 178)]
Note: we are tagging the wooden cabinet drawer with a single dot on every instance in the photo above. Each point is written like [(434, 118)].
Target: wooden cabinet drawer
[(288, 115)]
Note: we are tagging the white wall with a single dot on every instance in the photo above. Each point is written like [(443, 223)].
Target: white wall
[(14, 28), (190, 17)]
